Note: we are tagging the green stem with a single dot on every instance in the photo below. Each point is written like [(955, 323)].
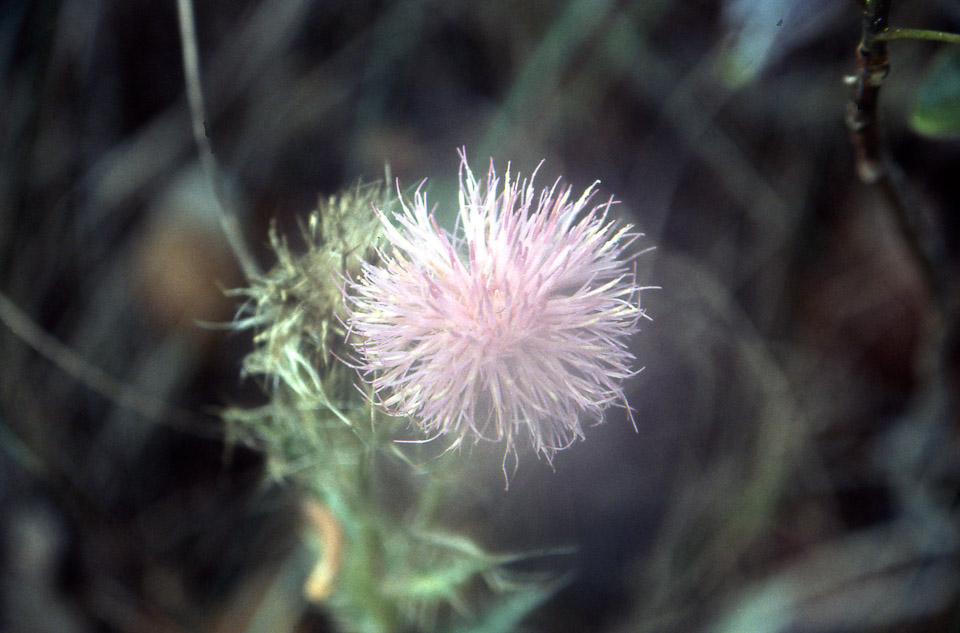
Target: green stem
[(919, 34)]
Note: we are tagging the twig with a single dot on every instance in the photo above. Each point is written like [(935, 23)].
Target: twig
[(936, 404), (191, 70), (874, 163), (862, 113)]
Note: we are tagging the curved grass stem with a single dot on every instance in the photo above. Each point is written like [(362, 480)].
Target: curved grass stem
[(191, 71), (919, 34)]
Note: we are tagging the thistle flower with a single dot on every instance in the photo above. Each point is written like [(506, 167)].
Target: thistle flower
[(514, 326)]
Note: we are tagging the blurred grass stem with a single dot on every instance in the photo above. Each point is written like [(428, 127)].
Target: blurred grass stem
[(95, 378), (191, 71)]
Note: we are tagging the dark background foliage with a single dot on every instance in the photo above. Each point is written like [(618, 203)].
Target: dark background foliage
[(790, 471)]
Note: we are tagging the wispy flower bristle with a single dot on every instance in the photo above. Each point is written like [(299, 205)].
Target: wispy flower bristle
[(515, 326)]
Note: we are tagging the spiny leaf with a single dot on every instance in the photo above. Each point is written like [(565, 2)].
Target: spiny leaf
[(509, 612)]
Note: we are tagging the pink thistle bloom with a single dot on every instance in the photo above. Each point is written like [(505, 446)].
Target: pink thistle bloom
[(514, 326)]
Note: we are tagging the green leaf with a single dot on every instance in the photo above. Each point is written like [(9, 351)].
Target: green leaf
[(936, 110), (509, 612), (768, 609)]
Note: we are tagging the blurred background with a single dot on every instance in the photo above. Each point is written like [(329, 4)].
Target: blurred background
[(795, 465)]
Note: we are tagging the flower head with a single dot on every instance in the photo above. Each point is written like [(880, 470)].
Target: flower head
[(514, 326)]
